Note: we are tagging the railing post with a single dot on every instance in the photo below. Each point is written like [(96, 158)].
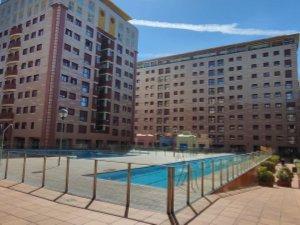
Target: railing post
[(221, 173), (202, 178), (95, 179), (24, 167), (128, 189), (213, 174), (6, 166), (67, 175), (232, 166), (237, 167), (170, 191), (227, 170), (44, 171), (188, 188)]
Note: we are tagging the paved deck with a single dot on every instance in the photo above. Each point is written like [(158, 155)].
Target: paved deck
[(258, 206), (17, 208), (263, 206)]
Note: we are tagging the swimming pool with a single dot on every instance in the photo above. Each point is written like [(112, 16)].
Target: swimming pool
[(156, 176)]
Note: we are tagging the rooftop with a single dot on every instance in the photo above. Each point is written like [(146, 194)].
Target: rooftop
[(221, 50)]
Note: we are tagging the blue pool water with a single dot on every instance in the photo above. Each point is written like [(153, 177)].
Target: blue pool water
[(156, 176)]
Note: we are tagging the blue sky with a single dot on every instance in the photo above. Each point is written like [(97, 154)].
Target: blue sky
[(265, 15)]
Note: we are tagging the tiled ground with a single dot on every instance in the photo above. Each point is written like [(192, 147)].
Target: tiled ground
[(17, 208), (254, 206), (263, 206)]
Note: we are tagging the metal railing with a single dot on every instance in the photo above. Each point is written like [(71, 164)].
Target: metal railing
[(176, 186)]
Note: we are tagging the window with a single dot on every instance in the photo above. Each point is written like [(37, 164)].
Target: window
[(89, 31), (39, 47), (37, 62), (73, 81), (84, 101), (64, 78), (85, 87), (42, 17), (265, 54), (63, 94), (32, 109), (86, 73), (287, 52), (288, 63), (74, 66), (35, 20), (70, 18), (40, 32), (77, 37), (78, 23), (82, 129), (34, 93), (288, 74), (69, 32), (27, 94), (67, 47), (72, 96), (88, 45), (83, 116)]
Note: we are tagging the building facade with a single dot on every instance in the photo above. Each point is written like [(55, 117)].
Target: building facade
[(242, 96), (74, 54)]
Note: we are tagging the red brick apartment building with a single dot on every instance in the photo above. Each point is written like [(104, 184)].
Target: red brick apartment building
[(242, 96), (74, 54)]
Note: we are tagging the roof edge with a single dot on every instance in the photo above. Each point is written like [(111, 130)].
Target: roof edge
[(117, 10)]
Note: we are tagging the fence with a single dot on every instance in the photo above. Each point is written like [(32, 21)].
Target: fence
[(163, 188)]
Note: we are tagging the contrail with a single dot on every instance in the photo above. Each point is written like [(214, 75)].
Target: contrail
[(220, 28)]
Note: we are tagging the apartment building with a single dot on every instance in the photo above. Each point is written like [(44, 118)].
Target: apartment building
[(242, 96), (74, 54)]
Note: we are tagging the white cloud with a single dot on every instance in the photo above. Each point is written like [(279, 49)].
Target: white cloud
[(220, 28)]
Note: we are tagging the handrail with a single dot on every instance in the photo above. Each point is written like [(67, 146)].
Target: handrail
[(228, 167)]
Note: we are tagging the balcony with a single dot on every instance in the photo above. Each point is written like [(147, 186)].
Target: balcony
[(106, 70), (103, 108), (94, 105), (14, 44), (13, 58), (105, 83), (11, 72), (108, 45), (6, 115), (9, 86), (93, 119), (105, 95), (8, 101), (103, 122), (16, 31)]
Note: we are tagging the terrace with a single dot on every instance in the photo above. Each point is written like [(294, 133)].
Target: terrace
[(161, 183)]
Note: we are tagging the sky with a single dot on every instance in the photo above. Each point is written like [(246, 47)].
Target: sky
[(201, 24)]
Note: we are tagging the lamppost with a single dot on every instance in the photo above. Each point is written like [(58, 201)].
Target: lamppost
[(63, 113), (3, 135)]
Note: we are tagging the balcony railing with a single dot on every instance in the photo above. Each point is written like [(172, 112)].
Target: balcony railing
[(10, 72), (102, 108), (103, 122), (94, 105), (107, 45), (13, 57), (6, 115), (106, 70), (16, 30), (9, 86), (106, 57), (8, 101), (15, 44), (105, 95), (105, 83)]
